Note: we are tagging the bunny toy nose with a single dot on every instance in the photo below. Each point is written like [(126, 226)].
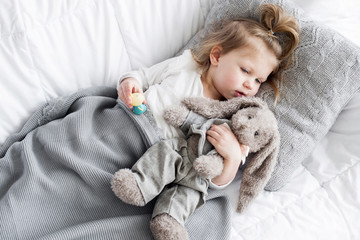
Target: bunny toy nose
[(242, 127)]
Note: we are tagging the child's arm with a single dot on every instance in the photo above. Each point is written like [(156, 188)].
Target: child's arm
[(141, 80), (226, 144)]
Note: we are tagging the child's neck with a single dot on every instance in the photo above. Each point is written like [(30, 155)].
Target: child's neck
[(209, 90)]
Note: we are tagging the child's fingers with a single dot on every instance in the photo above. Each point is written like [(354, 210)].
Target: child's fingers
[(125, 98), (213, 134), (219, 129), (128, 102), (127, 91), (211, 140), (223, 128)]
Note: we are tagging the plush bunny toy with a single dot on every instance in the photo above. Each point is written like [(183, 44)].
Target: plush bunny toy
[(253, 124), (177, 171)]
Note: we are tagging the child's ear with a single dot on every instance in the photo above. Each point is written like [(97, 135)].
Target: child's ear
[(215, 54)]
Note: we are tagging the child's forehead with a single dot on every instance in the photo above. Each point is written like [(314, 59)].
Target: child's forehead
[(255, 51), (258, 58), (255, 44)]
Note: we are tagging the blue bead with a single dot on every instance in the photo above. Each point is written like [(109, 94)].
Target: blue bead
[(139, 109)]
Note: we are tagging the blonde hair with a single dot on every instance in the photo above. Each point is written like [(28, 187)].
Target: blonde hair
[(278, 30)]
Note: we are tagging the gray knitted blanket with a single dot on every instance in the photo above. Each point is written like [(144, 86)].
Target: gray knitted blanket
[(55, 174)]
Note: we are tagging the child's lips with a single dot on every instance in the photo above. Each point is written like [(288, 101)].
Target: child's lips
[(239, 94)]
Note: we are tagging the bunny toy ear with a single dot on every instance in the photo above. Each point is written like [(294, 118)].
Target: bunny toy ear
[(258, 172), (211, 108)]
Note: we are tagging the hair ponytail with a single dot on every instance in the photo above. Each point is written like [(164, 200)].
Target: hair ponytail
[(284, 27)]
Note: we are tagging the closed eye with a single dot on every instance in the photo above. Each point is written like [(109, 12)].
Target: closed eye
[(244, 70), (247, 72)]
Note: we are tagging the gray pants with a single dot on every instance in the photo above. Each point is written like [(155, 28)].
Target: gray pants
[(165, 170)]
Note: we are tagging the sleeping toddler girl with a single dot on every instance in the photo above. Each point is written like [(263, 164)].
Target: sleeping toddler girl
[(232, 60)]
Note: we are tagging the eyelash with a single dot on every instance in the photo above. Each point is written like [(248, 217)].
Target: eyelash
[(246, 71)]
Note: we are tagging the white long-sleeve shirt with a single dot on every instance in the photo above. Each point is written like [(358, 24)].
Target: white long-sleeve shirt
[(168, 83)]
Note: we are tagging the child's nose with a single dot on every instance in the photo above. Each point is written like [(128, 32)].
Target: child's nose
[(248, 84)]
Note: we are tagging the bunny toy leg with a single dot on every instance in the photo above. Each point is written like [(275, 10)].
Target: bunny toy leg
[(175, 205), (164, 227), (125, 187), (151, 173), (209, 166)]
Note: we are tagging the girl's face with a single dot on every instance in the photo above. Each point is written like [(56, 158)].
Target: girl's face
[(241, 71)]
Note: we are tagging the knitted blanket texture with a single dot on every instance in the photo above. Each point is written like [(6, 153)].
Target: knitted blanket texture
[(55, 174)]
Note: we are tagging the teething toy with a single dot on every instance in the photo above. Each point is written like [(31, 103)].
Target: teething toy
[(137, 103)]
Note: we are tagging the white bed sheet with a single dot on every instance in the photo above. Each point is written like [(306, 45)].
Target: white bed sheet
[(51, 48), (322, 200)]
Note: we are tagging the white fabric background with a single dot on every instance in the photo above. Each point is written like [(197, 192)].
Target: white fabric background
[(51, 48)]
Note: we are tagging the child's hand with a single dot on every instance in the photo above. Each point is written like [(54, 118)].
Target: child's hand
[(128, 86), (226, 144)]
